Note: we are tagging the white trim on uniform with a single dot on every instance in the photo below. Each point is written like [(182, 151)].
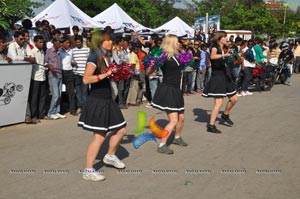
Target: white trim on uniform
[(167, 108), (91, 63), (100, 128), (218, 94)]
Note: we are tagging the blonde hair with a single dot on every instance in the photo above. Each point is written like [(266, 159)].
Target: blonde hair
[(169, 45)]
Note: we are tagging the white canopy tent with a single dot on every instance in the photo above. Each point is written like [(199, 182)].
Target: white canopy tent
[(176, 27), (118, 19), (64, 14)]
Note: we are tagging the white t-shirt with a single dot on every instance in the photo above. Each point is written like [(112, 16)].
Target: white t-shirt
[(66, 58), (247, 63), (38, 69), (18, 53)]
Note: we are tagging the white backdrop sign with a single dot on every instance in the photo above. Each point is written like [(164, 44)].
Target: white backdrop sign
[(14, 90)]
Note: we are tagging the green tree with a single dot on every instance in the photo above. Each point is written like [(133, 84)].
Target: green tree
[(14, 10), (224, 7), (251, 15), (242, 18)]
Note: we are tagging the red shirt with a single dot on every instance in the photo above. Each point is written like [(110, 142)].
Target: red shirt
[(141, 56)]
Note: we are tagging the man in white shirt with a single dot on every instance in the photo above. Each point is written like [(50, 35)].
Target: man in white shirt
[(66, 57), (249, 64), (38, 88), (17, 51)]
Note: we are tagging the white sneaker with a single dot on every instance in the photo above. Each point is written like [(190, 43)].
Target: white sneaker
[(148, 105), (288, 83), (248, 93), (92, 175), (60, 115), (114, 161), (242, 94), (53, 117)]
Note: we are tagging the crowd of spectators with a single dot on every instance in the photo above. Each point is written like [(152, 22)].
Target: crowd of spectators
[(59, 58)]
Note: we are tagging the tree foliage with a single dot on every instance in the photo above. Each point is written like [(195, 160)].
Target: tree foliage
[(235, 14), (14, 10), (251, 15)]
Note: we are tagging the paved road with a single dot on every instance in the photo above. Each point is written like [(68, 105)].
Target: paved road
[(257, 158)]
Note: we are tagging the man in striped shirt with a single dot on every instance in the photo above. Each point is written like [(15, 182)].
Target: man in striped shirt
[(80, 55)]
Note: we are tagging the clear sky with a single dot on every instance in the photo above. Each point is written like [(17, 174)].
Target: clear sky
[(40, 9)]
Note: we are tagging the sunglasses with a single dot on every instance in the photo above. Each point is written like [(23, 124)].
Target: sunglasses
[(21, 39)]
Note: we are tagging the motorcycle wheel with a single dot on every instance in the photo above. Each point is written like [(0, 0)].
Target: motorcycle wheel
[(19, 87), (283, 78), (7, 100), (276, 76), (269, 83)]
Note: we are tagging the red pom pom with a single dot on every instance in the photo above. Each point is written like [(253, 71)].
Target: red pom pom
[(121, 71)]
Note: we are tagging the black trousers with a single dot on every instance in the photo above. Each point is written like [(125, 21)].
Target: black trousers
[(68, 80), (37, 98), (123, 89)]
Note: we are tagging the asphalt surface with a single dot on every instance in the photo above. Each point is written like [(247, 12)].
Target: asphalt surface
[(257, 158)]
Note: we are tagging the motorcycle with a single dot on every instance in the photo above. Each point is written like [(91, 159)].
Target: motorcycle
[(281, 73), (263, 78), (8, 91)]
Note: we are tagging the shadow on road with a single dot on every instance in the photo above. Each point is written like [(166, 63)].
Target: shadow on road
[(121, 152), (202, 115)]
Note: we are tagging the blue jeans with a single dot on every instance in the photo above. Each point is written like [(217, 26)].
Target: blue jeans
[(81, 91), (207, 75), (187, 82), (194, 74), (55, 85), (289, 72), (153, 86), (236, 74), (200, 78)]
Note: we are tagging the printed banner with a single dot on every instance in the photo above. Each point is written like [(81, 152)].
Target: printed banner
[(14, 90), (213, 24)]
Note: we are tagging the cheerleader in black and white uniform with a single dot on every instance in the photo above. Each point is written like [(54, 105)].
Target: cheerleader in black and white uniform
[(101, 113), (220, 84), (168, 96)]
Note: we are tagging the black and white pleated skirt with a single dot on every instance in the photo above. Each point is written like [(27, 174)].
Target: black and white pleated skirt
[(219, 85), (168, 98), (101, 115)]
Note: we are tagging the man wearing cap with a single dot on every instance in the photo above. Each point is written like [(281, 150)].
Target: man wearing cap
[(287, 57)]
